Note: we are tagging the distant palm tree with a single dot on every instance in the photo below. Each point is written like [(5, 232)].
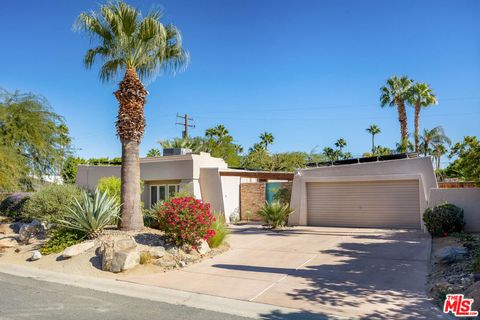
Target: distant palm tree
[(139, 46), (152, 153), (434, 136), (196, 144), (219, 131), (373, 130), (396, 92), (330, 154), (438, 151), (340, 144), (266, 139), (421, 96)]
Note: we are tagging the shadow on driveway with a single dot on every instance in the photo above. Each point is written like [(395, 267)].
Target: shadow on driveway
[(375, 276)]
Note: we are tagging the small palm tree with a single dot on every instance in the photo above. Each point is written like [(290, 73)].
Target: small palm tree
[(438, 151), (340, 144), (396, 92), (433, 137), (421, 96), (139, 47), (153, 153), (373, 130), (330, 154), (266, 139)]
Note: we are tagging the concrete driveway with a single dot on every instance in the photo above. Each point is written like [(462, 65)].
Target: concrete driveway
[(359, 273)]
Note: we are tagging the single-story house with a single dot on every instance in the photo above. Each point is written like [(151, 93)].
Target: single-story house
[(231, 191)]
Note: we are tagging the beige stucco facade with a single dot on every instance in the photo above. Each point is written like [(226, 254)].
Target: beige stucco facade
[(199, 174), (419, 169)]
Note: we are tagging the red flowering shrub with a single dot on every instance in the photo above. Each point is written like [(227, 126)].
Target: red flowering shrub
[(186, 220)]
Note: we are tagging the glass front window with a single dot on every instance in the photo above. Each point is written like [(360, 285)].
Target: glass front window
[(162, 192)]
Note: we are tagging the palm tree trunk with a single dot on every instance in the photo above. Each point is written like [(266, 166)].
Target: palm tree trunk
[(131, 214), (131, 96), (373, 143), (417, 127), (402, 118)]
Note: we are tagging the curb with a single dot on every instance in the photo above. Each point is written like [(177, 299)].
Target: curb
[(195, 300)]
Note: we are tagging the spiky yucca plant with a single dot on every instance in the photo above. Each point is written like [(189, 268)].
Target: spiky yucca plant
[(92, 213), (275, 214), (138, 46)]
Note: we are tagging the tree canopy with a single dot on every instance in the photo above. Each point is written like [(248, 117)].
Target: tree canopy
[(34, 139)]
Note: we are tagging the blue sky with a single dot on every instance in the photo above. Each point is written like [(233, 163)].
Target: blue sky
[(307, 71)]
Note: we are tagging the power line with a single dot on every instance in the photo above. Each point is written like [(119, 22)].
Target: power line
[(185, 124)]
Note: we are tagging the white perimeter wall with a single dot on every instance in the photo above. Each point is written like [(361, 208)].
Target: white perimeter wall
[(466, 198)]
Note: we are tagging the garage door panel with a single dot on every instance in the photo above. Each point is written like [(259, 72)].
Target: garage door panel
[(364, 204)]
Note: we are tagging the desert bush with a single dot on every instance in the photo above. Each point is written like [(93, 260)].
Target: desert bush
[(91, 213), (186, 220), (111, 185), (221, 230), (444, 219), (275, 214), (12, 205), (60, 239), (50, 203), (150, 216), (146, 257)]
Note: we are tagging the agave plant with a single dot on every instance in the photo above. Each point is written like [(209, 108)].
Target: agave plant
[(275, 214), (91, 213)]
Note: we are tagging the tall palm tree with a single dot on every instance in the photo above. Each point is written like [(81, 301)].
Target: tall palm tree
[(373, 130), (433, 137), (421, 96), (139, 47), (266, 139), (396, 92), (439, 150)]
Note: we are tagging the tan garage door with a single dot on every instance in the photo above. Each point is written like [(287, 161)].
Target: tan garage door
[(383, 204)]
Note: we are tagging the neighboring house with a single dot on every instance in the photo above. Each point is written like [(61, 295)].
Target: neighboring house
[(203, 176)]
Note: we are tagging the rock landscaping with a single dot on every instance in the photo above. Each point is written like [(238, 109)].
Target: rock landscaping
[(116, 251), (455, 267)]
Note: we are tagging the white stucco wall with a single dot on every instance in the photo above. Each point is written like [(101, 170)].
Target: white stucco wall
[(231, 196), (211, 188), (420, 169), (466, 198)]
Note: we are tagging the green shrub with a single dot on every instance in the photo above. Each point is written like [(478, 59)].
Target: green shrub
[(13, 204), (50, 203), (221, 230), (111, 185), (60, 239), (444, 219), (150, 216), (91, 213), (275, 214)]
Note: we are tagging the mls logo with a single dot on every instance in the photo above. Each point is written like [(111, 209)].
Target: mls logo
[(459, 306)]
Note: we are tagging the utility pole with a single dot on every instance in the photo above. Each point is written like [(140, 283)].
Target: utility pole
[(185, 124)]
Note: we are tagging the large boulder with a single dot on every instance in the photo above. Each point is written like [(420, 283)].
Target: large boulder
[(449, 255), (119, 254), (6, 243), (125, 259), (77, 249), (31, 230)]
